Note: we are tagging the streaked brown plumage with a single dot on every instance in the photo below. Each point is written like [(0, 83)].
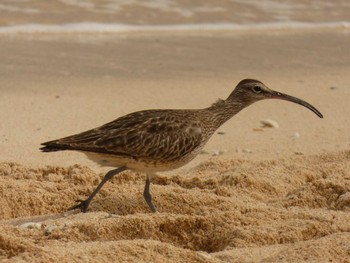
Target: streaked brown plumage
[(159, 140)]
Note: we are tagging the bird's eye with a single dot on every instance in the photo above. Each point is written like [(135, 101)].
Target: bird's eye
[(257, 89)]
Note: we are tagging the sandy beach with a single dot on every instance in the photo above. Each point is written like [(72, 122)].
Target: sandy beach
[(255, 194)]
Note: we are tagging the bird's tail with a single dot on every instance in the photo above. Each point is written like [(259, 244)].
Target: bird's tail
[(52, 146)]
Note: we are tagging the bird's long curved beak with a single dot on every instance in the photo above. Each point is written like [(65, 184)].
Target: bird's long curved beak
[(281, 96)]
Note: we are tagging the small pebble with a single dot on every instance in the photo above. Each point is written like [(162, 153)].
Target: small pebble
[(332, 88), (218, 152), (296, 135), (268, 123), (221, 132), (31, 225)]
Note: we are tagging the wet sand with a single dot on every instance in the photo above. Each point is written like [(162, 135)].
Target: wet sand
[(255, 194)]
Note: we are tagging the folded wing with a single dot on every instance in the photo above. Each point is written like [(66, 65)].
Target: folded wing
[(154, 134)]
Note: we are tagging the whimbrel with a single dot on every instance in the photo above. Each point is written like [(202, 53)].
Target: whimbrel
[(159, 140)]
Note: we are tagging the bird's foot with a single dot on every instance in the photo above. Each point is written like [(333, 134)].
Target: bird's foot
[(82, 205)]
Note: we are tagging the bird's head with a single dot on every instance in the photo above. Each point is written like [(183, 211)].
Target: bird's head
[(249, 91)]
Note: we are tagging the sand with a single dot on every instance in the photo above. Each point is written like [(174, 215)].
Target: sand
[(254, 195)]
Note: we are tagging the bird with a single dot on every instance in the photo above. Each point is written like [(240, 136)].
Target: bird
[(156, 140)]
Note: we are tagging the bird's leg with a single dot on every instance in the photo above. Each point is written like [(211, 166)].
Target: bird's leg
[(83, 205), (147, 195)]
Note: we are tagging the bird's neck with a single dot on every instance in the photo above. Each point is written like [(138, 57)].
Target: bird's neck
[(223, 110)]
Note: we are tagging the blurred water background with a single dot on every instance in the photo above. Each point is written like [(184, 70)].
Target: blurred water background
[(127, 15)]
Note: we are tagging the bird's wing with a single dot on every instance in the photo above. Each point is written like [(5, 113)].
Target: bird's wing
[(147, 134)]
